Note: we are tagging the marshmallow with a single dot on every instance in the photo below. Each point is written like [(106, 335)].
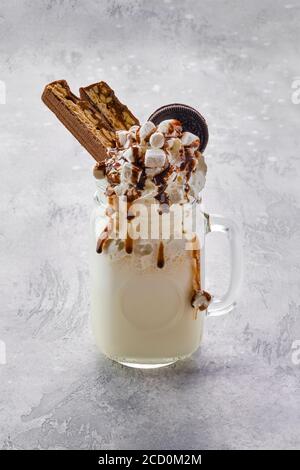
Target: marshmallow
[(201, 300), (146, 130), (170, 127), (157, 140), (126, 172), (133, 131), (174, 145), (128, 154), (155, 158), (134, 128), (175, 156), (122, 137), (189, 139)]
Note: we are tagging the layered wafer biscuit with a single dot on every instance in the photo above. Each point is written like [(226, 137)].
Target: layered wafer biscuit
[(87, 125), (103, 98)]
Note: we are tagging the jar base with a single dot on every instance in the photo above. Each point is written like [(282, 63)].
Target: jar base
[(136, 365)]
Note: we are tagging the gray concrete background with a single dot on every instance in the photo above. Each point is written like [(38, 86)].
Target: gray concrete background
[(236, 61)]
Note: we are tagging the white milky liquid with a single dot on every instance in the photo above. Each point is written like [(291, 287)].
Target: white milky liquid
[(143, 314)]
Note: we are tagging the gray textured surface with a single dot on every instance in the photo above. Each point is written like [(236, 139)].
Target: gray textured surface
[(236, 62)]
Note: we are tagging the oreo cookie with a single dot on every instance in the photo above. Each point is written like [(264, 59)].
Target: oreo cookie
[(190, 118)]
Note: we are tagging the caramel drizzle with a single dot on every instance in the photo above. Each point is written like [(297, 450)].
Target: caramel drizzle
[(196, 266), (196, 258), (161, 256), (196, 270)]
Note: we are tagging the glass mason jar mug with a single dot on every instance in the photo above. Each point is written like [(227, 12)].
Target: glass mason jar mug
[(148, 277)]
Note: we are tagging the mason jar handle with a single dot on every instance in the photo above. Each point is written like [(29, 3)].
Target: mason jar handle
[(218, 223)]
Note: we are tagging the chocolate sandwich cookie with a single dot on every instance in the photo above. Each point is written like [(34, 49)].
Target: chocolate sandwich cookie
[(80, 118), (190, 118), (103, 98)]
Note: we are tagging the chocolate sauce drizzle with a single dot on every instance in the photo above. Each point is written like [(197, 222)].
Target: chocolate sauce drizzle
[(102, 240), (196, 259), (128, 244), (161, 256)]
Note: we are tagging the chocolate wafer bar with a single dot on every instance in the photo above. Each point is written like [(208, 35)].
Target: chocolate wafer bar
[(86, 124), (103, 98)]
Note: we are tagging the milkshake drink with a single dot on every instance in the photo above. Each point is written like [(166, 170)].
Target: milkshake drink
[(148, 226), (147, 284)]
